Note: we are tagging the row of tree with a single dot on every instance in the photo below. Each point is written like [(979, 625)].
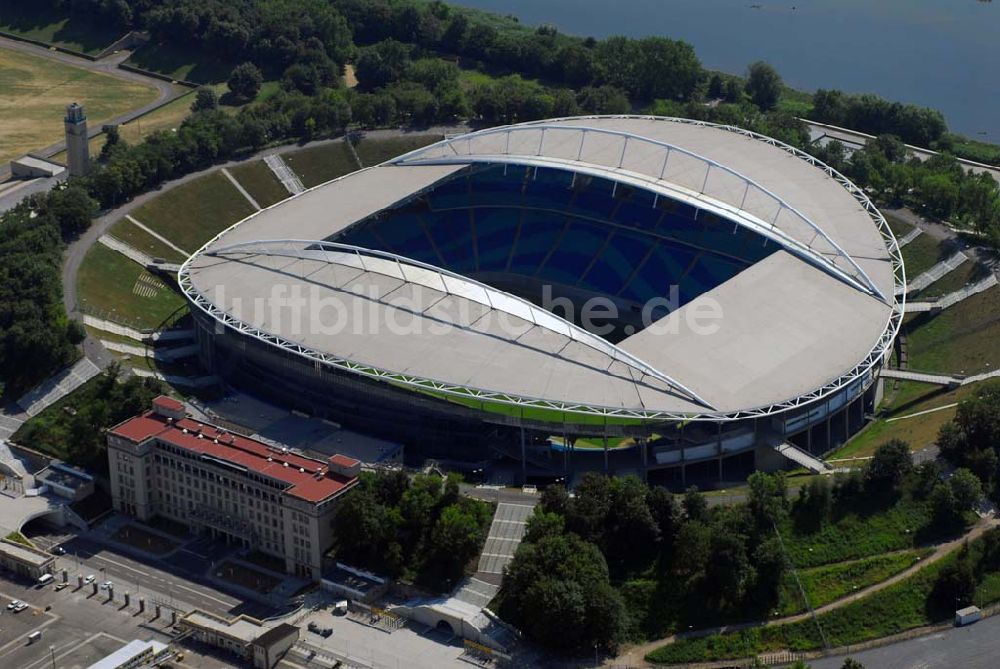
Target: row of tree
[(417, 528)]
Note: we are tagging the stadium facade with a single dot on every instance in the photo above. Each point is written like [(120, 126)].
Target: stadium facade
[(746, 294)]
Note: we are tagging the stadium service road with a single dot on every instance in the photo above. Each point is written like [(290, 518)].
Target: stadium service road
[(974, 647)]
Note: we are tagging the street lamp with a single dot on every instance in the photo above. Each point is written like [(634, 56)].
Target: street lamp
[(52, 654)]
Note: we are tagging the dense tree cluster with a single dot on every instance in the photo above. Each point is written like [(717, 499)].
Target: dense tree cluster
[(972, 439), (623, 560), (35, 336), (876, 116), (420, 528)]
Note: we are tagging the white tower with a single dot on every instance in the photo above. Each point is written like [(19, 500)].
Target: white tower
[(77, 143)]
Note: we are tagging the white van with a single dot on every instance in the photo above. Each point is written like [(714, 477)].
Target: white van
[(45, 579), (34, 636)]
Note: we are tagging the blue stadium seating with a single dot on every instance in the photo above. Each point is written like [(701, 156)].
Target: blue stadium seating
[(579, 231)]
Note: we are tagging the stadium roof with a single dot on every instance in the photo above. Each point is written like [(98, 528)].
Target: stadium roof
[(797, 325)]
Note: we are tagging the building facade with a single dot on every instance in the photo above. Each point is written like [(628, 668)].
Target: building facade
[(228, 486)]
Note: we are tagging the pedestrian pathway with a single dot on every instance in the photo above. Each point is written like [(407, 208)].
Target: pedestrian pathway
[(129, 252), (241, 189), (178, 380), (163, 239), (936, 272), (910, 236), (131, 333), (285, 175), (55, 388)]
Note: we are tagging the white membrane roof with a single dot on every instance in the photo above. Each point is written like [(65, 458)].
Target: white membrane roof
[(798, 322)]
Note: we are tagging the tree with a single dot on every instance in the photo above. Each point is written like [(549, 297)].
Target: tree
[(382, 63), (205, 99), (455, 540), (763, 85), (766, 497), (245, 81), (851, 664), (112, 138), (631, 532), (554, 499), (563, 578), (888, 467), (955, 586), (71, 207), (965, 488), (543, 524), (589, 510), (695, 505), (603, 100)]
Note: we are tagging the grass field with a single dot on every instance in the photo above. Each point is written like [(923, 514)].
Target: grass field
[(899, 607), (182, 62), (139, 239), (898, 226), (193, 213), (260, 182), (921, 254), (966, 273), (110, 283), (34, 92), (829, 583), (964, 339), (319, 164), (857, 536), (43, 22), (373, 152)]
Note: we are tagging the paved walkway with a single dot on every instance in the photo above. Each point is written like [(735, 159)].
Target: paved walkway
[(936, 272), (241, 189), (55, 388), (284, 173), (129, 252), (157, 235), (635, 656)]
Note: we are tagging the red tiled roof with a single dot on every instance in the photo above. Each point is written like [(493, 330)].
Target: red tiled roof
[(343, 460), (241, 451), (168, 403)]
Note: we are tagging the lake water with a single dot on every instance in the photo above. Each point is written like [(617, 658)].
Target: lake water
[(943, 54)]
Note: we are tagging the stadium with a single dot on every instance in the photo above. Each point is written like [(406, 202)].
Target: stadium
[(701, 294)]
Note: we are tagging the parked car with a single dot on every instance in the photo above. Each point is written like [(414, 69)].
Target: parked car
[(90, 579), (59, 550), (313, 627), (107, 585), (21, 606), (326, 633), (13, 604)]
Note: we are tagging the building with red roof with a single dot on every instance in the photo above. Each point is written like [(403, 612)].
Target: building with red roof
[(261, 496)]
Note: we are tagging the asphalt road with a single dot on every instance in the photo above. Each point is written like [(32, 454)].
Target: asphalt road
[(974, 647)]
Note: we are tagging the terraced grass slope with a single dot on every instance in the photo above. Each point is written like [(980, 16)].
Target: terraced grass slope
[(319, 164), (191, 214)]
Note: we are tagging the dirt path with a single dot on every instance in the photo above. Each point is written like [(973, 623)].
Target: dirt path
[(635, 655)]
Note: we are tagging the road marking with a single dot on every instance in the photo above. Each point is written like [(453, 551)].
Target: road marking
[(169, 583)]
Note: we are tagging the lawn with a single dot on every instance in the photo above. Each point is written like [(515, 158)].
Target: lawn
[(144, 540), (109, 285), (856, 536), (42, 22), (245, 577), (918, 431), (182, 62), (966, 273), (375, 151), (126, 231), (963, 339), (34, 92), (319, 164), (260, 182), (897, 608), (898, 226), (829, 583), (191, 214), (921, 254)]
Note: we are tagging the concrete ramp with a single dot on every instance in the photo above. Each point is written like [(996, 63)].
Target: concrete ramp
[(800, 457), (58, 386), (936, 272), (922, 377), (285, 175), (909, 237)]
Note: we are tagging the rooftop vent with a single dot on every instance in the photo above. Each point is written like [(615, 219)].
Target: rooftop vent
[(185, 430)]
